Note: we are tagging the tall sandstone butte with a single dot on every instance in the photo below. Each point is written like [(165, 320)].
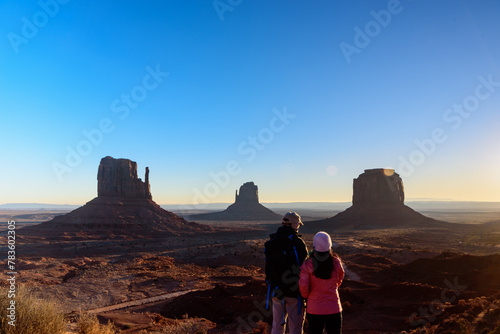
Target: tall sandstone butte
[(246, 206), (377, 202), (118, 178), (123, 208), (249, 193), (378, 186)]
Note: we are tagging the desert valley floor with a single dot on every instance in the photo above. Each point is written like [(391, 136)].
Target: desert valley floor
[(442, 279)]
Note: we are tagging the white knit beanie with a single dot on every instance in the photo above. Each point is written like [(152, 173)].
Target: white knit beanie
[(322, 242)]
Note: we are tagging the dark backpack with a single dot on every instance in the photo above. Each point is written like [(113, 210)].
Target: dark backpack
[(282, 266)]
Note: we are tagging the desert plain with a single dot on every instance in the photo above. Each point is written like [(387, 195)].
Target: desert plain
[(434, 279)]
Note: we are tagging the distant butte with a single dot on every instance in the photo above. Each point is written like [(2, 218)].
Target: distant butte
[(246, 206), (378, 203), (123, 208)]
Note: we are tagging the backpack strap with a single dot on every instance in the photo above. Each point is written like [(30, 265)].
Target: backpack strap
[(268, 294), (296, 255), (284, 314), (299, 296), (267, 282)]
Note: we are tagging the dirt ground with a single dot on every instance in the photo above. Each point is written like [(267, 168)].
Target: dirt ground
[(397, 280)]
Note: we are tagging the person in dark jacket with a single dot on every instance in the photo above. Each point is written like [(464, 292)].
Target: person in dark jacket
[(285, 253)]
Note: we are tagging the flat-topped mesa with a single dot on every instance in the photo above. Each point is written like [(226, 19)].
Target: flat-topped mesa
[(118, 178), (249, 193), (377, 203), (378, 186)]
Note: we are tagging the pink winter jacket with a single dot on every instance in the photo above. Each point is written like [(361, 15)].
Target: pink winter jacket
[(322, 294)]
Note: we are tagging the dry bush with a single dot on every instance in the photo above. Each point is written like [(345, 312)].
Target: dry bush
[(88, 323), (475, 315), (32, 315), (465, 326), (262, 328), (497, 329), (185, 326)]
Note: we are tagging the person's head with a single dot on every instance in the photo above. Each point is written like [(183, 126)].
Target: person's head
[(292, 219), (322, 242), (322, 255)]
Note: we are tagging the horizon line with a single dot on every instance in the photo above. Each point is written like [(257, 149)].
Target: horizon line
[(267, 202)]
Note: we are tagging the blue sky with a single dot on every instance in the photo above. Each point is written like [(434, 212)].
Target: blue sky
[(298, 97)]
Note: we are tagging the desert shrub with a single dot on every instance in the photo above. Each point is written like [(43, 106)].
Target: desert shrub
[(262, 328), (88, 323), (187, 326), (465, 326), (497, 329), (32, 315)]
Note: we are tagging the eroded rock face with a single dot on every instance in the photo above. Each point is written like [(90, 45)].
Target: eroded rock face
[(118, 178), (377, 203), (245, 207), (123, 208), (378, 186), (249, 193)]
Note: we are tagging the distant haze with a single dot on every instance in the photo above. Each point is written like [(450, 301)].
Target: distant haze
[(314, 206)]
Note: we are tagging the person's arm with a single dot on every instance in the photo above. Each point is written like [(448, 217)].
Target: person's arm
[(304, 280), (302, 250), (339, 269)]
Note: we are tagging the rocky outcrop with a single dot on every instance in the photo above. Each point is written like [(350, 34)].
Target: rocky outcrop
[(249, 193), (123, 209), (118, 178), (246, 206), (377, 203), (378, 186)]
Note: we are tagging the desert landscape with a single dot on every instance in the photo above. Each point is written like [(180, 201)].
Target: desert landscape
[(148, 270), (149, 149)]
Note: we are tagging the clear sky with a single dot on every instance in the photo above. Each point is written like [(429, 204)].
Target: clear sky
[(299, 97)]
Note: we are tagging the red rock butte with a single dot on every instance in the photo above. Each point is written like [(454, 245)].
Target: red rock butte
[(378, 203), (123, 208), (246, 207), (118, 178)]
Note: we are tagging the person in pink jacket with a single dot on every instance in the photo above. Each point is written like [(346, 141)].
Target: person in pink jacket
[(320, 276)]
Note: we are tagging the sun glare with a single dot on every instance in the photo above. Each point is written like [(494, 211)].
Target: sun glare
[(388, 172)]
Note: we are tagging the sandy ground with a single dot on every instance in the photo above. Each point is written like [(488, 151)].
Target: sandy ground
[(227, 268)]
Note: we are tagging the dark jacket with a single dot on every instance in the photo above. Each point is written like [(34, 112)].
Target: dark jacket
[(285, 253)]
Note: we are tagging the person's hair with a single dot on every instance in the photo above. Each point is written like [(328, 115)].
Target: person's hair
[(323, 263)]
